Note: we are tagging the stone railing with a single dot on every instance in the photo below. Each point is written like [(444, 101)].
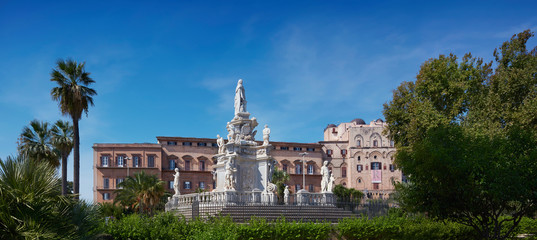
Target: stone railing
[(250, 197)]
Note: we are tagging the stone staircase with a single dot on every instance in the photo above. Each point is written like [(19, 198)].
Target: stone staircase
[(305, 213)]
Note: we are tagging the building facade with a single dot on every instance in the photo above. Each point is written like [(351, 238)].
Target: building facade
[(359, 155)]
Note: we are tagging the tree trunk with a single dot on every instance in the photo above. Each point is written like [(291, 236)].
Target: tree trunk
[(76, 159), (64, 173)]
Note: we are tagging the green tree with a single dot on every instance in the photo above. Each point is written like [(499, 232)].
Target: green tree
[(280, 179), (466, 138), (62, 140), (74, 96), (36, 143), (141, 193), (344, 194), (31, 206)]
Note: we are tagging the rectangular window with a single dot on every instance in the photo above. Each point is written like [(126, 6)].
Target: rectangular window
[(284, 167), (187, 185), (310, 149), (171, 164), (118, 181), (106, 183), (310, 188), (343, 152), (187, 165), (120, 161), (202, 185), (170, 184), (172, 143), (392, 168), (202, 144), (376, 166), (297, 149), (202, 165), (150, 161), (214, 145), (329, 153), (136, 161), (105, 161), (187, 144), (284, 148), (392, 143), (359, 143), (344, 172), (310, 169), (297, 187), (106, 196), (359, 167), (298, 169)]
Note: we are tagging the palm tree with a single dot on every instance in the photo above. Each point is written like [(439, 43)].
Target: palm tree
[(36, 143), (74, 96), (31, 206), (141, 193), (280, 178), (62, 140)]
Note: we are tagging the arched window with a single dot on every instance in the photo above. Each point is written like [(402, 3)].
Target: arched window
[(298, 169), (202, 166), (375, 143), (172, 164), (359, 143)]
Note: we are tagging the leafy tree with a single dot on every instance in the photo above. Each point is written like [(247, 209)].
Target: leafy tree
[(31, 206), (466, 137), (344, 194), (62, 140), (74, 96), (36, 143), (141, 193), (280, 179)]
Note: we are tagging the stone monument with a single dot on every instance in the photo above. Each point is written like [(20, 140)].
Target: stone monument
[(243, 172), (243, 165)]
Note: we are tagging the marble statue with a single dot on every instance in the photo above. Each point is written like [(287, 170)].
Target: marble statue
[(176, 182), (230, 175), (231, 133), (325, 172), (286, 195), (266, 135), (220, 143), (331, 183), (240, 98)]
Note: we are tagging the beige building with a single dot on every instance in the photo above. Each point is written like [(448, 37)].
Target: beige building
[(359, 155)]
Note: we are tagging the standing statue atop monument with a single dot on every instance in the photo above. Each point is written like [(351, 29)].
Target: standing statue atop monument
[(230, 175), (220, 143), (240, 98), (176, 182), (266, 135), (286, 195), (325, 172), (331, 183)]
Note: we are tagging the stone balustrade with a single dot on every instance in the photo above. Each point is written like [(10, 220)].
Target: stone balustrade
[(250, 197)]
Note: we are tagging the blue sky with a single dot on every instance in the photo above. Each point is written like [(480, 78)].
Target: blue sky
[(169, 68)]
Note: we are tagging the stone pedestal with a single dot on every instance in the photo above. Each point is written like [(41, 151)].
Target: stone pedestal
[(328, 198), (302, 197)]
